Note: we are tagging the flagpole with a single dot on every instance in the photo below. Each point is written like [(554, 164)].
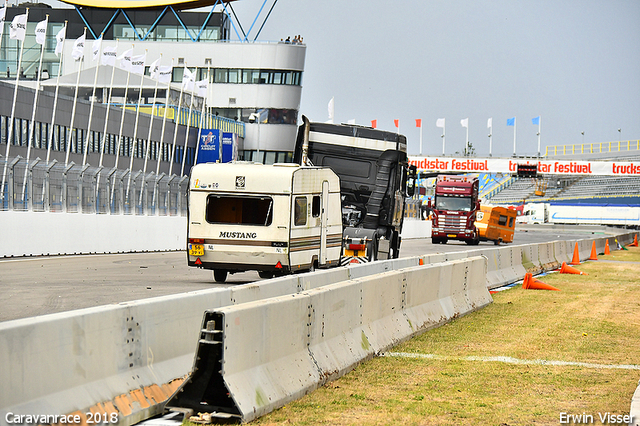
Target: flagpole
[(467, 145), (177, 120), (490, 135), (35, 106), (164, 121), (202, 118), (539, 122), (146, 154), (93, 99), (123, 116), (161, 146), (420, 138), (13, 111), (186, 135), (135, 129), (55, 96), (75, 103), (106, 118), (6, 6), (514, 136), (443, 137)]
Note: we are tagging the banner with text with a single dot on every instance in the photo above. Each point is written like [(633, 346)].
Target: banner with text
[(209, 146), (510, 165)]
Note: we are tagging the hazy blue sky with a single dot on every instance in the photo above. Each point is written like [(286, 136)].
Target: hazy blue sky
[(575, 63)]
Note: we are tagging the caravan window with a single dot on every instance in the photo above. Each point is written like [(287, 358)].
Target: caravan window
[(239, 210), (300, 211), (315, 206)]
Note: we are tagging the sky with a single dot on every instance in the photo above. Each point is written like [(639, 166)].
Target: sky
[(574, 63)]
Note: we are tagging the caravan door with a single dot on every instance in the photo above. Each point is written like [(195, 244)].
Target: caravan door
[(324, 221)]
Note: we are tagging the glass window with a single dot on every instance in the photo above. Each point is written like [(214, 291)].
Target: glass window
[(239, 210), (502, 220), (460, 204), (510, 222), (300, 211), (315, 206), (221, 75), (234, 76)]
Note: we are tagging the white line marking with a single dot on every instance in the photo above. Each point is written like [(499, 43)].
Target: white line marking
[(510, 360)]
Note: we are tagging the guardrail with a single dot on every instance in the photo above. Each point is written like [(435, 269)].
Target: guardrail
[(127, 359), (592, 148)]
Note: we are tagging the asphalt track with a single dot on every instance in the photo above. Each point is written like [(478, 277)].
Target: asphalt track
[(36, 286)]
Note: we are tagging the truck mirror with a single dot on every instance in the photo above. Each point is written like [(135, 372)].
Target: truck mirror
[(411, 180)]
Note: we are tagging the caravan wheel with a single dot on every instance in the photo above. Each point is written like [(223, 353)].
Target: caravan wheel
[(220, 275)]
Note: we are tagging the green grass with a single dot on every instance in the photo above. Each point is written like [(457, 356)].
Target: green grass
[(595, 318)]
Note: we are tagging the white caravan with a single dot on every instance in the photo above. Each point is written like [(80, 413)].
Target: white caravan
[(274, 219)]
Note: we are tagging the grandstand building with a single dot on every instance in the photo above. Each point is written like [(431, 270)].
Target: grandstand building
[(254, 91)]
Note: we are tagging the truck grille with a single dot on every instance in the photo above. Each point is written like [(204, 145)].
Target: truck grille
[(453, 222)]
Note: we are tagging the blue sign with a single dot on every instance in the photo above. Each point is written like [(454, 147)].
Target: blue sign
[(209, 146), (229, 151)]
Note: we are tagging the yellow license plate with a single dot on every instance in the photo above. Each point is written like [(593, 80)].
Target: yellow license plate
[(348, 252), (196, 250), (451, 235)]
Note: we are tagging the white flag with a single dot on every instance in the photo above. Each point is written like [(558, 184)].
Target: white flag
[(95, 48), (490, 123), (78, 47), (188, 78), (440, 122), (203, 87), (18, 27), (137, 64), (108, 56), (41, 32), (165, 74), (60, 40), (331, 109), (464, 122), (153, 69), (125, 60)]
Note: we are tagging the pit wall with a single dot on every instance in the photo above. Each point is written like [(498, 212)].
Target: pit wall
[(130, 357), (39, 233)]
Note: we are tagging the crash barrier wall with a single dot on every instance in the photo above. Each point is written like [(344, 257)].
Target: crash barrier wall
[(131, 356), (301, 341), (37, 233), (32, 233)]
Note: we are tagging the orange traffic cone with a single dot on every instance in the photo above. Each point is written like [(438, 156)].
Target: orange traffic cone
[(525, 282), (635, 241), (566, 269), (606, 248), (535, 284), (576, 256), (594, 255)]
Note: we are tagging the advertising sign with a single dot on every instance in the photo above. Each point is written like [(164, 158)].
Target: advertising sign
[(510, 165), (229, 147), (209, 146)]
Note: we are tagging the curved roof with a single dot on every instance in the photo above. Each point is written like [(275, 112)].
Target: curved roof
[(138, 4)]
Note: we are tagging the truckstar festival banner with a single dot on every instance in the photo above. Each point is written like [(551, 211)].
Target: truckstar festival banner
[(510, 165)]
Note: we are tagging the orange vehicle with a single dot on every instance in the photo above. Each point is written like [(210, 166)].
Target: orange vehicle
[(496, 224)]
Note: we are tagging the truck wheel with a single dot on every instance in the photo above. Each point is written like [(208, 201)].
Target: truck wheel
[(220, 275), (265, 274), (435, 241)]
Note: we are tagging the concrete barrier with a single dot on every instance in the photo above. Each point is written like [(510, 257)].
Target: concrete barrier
[(131, 356), (262, 355), (38, 233)]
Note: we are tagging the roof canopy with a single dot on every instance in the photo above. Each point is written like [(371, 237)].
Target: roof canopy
[(138, 4)]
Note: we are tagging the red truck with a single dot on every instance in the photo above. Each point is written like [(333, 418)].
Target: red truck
[(454, 210)]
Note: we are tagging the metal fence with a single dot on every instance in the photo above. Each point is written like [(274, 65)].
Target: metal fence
[(52, 187)]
